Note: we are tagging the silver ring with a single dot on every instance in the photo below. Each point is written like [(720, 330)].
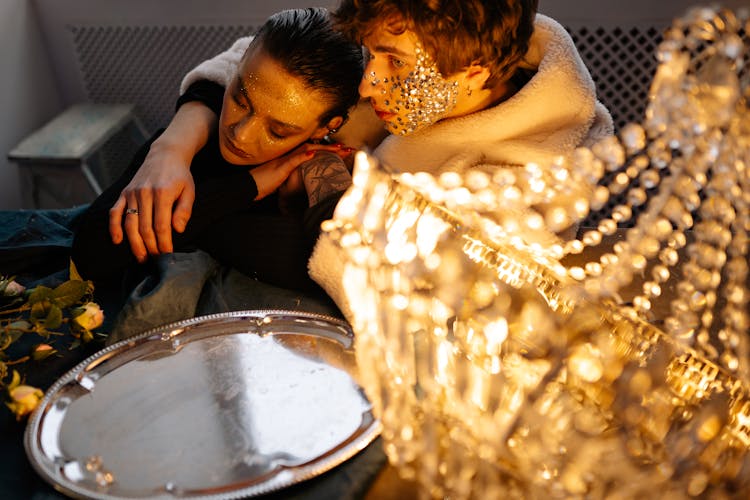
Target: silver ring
[(133, 211)]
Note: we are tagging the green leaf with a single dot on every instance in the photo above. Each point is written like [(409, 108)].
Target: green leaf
[(70, 293), (16, 380), (54, 318), (39, 294), (87, 336), (74, 271), (19, 325), (9, 335), (39, 311), (75, 328)]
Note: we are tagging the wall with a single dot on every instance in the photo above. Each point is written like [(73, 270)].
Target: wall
[(29, 94)]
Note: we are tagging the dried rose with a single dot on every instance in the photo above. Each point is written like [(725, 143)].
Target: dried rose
[(42, 351), (91, 316), (23, 400), (14, 289)]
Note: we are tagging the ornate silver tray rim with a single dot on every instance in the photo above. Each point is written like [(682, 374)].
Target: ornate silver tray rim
[(178, 335)]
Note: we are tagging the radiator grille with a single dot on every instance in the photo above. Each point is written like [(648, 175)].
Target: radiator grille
[(622, 63), (144, 65)]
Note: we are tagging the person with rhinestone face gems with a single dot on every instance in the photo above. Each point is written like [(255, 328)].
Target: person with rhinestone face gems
[(459, 83), (470, 81), (294, 84)]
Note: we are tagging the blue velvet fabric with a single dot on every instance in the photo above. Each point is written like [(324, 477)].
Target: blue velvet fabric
[(35, 244)]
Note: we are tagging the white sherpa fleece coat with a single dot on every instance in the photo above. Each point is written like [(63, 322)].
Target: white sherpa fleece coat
[(555, 112)]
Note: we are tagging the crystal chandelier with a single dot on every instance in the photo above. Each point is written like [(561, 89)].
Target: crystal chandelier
[(504, 362)]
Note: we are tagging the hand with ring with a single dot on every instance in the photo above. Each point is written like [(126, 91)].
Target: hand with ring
[(162, 191), (158, 198)]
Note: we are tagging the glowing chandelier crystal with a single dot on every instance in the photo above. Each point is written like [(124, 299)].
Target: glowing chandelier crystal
[(504, 362)]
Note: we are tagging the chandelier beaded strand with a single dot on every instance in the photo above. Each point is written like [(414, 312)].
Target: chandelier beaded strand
[(698, 91)]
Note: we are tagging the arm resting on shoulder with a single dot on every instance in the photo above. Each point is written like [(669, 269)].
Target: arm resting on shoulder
[(163, 190)]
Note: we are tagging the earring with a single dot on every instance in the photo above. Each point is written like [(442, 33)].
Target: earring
[(332, 131), (468, 91)]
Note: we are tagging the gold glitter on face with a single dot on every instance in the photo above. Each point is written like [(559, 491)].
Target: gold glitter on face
[(267, 112), (404, 85)]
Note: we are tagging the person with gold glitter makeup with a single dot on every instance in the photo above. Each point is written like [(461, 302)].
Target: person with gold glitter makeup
[(294, 85), (459, 83)]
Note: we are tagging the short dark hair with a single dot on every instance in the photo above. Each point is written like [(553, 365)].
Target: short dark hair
[(456, 33), (304, 43)]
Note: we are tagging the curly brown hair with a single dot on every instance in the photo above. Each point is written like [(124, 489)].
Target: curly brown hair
[(456, 33)]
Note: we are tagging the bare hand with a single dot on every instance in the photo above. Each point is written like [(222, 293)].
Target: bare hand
[(163, 192)]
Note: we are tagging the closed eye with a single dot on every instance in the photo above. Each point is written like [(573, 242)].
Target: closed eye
[(240, 102), (277, 135), (241, 99), (240, 96)]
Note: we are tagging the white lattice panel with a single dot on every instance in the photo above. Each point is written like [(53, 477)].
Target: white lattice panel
[(145, 64), (622, 62)]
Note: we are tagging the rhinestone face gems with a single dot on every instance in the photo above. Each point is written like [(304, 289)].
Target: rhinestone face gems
[(428, 95), (415, 99)]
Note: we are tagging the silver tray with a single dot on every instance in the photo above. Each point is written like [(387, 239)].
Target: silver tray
[(222, 406)]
